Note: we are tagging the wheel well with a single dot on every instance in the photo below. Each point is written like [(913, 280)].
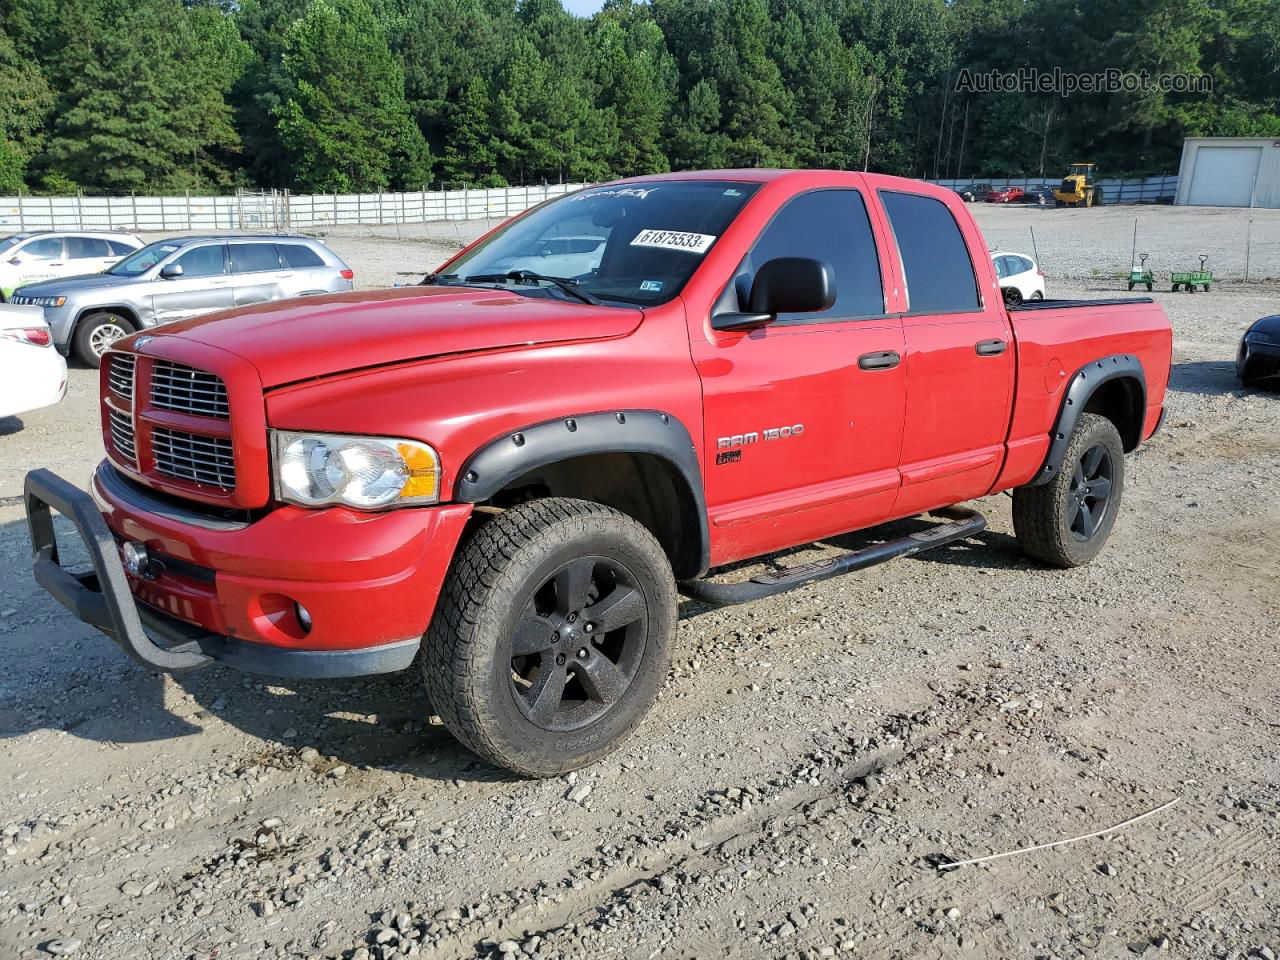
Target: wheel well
[(646, 487), (123, 313), (1121, 401)]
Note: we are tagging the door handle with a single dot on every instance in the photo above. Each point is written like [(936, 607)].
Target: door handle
[(880, 360), (990, 348)]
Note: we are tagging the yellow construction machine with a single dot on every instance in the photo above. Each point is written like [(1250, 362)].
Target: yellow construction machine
[(1079, 188)]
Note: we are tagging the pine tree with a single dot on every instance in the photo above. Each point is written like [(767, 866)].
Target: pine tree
[(470, 157), (347, 126), (25, 99), (142, 107)]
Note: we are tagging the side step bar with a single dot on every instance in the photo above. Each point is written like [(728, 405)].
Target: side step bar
[(961, 523)]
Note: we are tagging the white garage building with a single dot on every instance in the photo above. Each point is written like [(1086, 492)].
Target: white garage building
[(1230, 172)]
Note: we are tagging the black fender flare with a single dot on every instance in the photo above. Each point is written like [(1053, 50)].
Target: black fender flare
[(653, 432), (1083, 385)]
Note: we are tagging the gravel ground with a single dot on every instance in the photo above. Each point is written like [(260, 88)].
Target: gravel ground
[(812, 759)]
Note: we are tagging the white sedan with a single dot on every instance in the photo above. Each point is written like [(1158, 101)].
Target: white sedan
[(32, 373), (49, 255), (1020, 278)]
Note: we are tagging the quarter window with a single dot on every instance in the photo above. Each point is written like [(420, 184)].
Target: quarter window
[(935, 259), (203, 261), (831, 226), (299, 257), (253, 257), (119, 249)]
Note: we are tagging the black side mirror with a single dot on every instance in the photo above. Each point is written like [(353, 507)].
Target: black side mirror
[(783, 285), (171, 271)]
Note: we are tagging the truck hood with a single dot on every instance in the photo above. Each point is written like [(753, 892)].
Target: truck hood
[(293, 340), (61, 286)]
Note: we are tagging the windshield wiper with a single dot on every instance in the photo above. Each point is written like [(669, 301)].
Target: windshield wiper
[(566, 284)]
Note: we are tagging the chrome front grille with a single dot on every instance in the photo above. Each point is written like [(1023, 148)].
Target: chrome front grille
[(191, 457), (175, 386), (122, 436), (121, 368)]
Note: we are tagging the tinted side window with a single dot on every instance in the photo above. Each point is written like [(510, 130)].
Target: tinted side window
[(939, 274), (1021, 263), (82, 248), (202, 261), (49, 248), (827, 225), (296, 255), (248, 257), (119, 249)]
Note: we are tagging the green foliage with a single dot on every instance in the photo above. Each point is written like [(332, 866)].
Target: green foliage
[(347, 126), (142, 102), (118, 95), (25, 100)]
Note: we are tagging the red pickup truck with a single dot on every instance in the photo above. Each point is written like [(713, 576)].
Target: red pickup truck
[(502, 477)]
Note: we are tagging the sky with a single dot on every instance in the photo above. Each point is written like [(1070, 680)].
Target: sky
[(583, 8)]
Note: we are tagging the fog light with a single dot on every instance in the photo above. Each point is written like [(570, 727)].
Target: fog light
[(304, 617), (136, 560)]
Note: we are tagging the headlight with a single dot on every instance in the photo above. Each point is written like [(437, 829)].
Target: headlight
[(1258, 336), (40, 301), (369, 473)]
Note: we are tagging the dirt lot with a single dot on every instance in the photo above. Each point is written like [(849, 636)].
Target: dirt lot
[(812, 760)]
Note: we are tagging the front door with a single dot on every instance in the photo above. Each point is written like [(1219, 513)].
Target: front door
[(203, 287), (959, 359), (803, 416), (40, 259)]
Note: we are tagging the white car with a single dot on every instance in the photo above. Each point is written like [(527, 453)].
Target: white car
[(1020, 278), (32, 373), (49, 255)]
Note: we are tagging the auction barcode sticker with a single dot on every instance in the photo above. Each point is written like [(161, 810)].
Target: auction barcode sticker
[(674, 240)]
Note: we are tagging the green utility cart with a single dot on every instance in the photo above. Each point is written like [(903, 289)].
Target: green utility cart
[(1193, 278), (1141, 274)]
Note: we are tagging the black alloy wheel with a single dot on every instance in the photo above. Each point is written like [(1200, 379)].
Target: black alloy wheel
[(1090, 492), (578, 644)]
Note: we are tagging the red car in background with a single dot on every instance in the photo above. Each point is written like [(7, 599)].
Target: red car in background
[(1004, 195)]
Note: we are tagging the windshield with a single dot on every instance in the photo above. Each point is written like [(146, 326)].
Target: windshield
[(637, 244), (12, 241), (143, 260)]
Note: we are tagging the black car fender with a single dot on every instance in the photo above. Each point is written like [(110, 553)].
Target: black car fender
[(1084, 384), (654, 432)]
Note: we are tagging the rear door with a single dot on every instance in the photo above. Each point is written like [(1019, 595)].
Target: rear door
[(87, 255), (959, 355), (303, 270), (803, 417), (203, 287), (257, 273)]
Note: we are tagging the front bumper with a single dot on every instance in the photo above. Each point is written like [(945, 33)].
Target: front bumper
[(224, 590)]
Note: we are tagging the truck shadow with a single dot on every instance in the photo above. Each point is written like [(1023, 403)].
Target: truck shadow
[(62, 675), (1211, 378), (78, 681)]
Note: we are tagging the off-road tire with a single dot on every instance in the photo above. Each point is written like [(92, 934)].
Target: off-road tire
[(1042, 514), (467, 657), (88, 333)]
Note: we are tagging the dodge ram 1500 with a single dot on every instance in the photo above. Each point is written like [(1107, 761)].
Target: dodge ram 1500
[(503, 477)]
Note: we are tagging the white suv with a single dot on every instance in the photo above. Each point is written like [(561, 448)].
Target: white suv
[(30, 257)]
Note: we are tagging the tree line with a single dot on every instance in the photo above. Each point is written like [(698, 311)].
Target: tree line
[(355, 95)]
